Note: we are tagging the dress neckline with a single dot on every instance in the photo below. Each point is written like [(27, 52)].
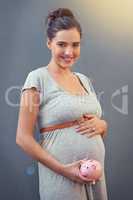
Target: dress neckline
[(66, 91)]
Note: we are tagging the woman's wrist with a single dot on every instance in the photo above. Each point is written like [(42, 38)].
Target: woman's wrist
[(63, 170)]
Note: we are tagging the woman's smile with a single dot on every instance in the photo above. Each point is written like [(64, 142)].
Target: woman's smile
[(67, 59)]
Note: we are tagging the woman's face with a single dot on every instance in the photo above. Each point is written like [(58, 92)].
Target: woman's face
[(65, 47)]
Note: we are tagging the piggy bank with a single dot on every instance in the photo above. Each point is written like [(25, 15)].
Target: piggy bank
[(91, 169)]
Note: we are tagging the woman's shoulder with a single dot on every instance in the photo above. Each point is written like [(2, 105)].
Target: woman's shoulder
[(38, 74), (35, 78), (38, 71)]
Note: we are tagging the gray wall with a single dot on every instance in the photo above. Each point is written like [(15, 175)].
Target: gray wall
[(105, 57)]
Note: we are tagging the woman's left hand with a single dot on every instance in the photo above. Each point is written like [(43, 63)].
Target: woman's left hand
[(92, 125)]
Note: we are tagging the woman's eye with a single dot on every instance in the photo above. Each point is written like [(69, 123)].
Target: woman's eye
[(61, 45), (76, 45), (64, 45)]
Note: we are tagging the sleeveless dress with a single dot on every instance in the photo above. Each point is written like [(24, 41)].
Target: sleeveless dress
[(66, 145)]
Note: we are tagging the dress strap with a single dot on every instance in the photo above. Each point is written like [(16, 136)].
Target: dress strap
[(82, 84)]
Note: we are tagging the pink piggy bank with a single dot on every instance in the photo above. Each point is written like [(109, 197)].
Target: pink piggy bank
[(91, 169)]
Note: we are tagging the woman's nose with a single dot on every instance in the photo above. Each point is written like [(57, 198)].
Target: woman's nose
[(69, 51)]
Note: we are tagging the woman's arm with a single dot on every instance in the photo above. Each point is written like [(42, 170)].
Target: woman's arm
[(29, 109)]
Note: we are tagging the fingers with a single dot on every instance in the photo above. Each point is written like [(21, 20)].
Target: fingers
[(86, 130), (89, 116), (89, 133), (86, 180), (88, 124), (79, 162), (92, 134), (81, 129)]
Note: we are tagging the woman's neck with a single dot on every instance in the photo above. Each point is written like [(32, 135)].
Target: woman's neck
[(59, 70)]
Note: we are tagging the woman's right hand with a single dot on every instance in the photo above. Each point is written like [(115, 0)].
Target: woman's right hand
[(72, 171)]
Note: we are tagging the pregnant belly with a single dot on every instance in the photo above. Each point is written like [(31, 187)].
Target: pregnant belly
[(66, 145)]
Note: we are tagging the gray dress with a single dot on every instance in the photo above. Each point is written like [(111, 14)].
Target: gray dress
[(66, 145)]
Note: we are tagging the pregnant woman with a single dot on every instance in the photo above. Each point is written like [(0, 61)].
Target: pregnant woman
[(68, 112)]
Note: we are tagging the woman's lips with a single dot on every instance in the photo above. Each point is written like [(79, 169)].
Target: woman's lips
[(67, 59)]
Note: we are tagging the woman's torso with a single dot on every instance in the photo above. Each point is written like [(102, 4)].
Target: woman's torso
[(58, 106)]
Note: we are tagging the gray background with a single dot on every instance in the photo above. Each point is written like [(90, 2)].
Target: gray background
[(106, 58)]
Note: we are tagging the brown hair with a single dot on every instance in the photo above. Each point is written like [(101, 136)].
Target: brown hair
[(61, 19)]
